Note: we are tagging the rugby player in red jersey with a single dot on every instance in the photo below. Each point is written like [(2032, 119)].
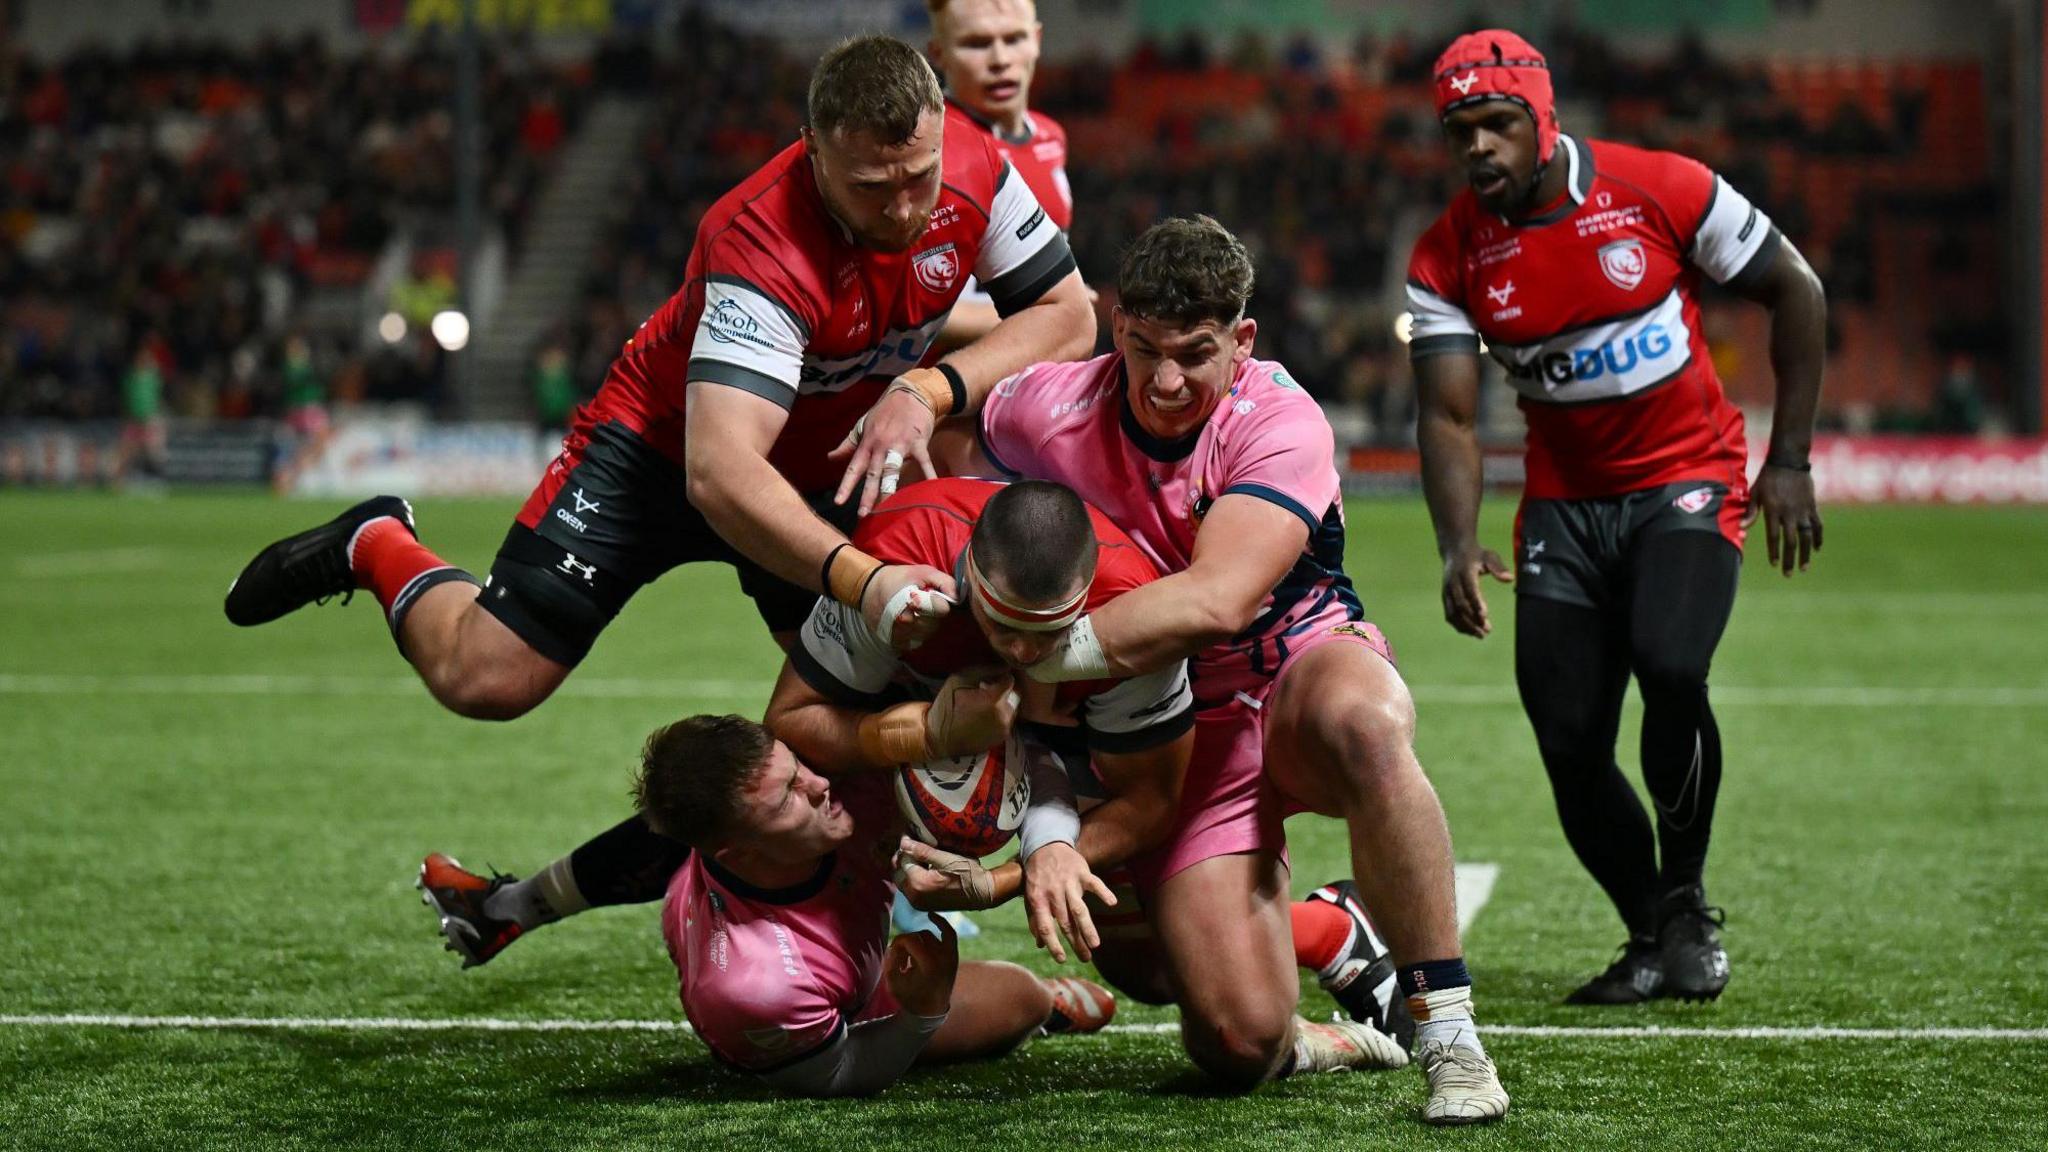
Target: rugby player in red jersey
[(1579, 263), (813, 291), (1030, 559), (987, 51)]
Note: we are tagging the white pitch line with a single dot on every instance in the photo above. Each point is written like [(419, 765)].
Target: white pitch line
[(637, 688), (1161, 1028), (1474, 889)]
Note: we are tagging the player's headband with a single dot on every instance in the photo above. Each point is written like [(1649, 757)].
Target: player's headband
[(1011, 614), (1498, 65)]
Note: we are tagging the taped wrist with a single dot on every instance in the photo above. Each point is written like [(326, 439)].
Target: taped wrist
[(930, 385), (896, 735), (847, 572), (1079, 657)]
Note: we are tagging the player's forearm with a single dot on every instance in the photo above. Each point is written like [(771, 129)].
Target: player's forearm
[(1059, 326), (824, 736), (1122, 827), (753, 508), (869, 1057), (969, 321), (1452, 477), (1170, 619), (1799, 322)]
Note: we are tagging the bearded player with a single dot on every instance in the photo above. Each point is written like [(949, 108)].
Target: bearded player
[(790, 878), (814, 287), (1579, 263), (987, 52), (1222, 469)]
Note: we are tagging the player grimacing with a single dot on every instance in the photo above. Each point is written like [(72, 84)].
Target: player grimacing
[(1579, 263), (778, 925)]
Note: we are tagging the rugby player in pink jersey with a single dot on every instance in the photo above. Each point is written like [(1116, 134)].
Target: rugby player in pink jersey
[(778, 924), (1579, 262), (1222, 469)]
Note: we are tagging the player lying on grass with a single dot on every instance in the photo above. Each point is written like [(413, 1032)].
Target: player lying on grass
[(813, 288), (1579, 262), (778, 925), (1222, 469)]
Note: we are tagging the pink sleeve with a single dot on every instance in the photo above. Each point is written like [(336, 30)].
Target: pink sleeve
[(1006, 431), (1284, 452)]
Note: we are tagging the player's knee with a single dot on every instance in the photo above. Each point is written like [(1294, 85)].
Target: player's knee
[(1662, 672), (1134, 973), (1369, 744), (488, 694), (1239, 1049)]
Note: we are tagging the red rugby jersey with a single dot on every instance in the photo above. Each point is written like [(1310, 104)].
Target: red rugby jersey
[(1593, 309), (778, 301), (1039, 156), (930, 523)]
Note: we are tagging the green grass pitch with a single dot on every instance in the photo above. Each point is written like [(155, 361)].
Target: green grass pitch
[(196, 820)]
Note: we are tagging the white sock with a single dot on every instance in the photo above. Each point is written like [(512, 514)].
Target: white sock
[(542, 898), (1445, 1016)]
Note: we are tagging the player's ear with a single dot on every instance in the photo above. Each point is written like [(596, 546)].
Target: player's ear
[(1245, 331), (1119, 323)]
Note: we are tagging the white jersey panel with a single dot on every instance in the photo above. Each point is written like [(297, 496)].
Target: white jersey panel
[(1604, 361)]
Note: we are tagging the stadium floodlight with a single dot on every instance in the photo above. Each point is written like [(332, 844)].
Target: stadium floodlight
[(451, 330), (391, 327)]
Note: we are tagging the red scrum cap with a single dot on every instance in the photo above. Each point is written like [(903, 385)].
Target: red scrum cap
[(1498, 65)]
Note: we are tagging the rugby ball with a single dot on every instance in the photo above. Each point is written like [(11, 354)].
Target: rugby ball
[(966, 804)]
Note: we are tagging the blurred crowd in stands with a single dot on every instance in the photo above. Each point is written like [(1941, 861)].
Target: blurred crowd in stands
[(172, 215), (174, 211)]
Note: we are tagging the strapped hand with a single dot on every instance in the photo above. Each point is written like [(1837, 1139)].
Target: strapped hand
[(971, 713), (906, 603), (899, 426), (935, 880)]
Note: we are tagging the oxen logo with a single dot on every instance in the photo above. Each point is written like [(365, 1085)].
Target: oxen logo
[(1624, 263), (937, 268)]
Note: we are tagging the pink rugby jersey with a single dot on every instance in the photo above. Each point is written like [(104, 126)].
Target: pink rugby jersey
[(772, 976), (1267, 439)]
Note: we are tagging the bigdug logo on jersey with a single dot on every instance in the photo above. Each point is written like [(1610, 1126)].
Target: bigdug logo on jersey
[(1603, 361)]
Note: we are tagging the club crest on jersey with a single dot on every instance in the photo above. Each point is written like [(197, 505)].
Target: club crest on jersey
[(937, 268), (1624, 263)]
